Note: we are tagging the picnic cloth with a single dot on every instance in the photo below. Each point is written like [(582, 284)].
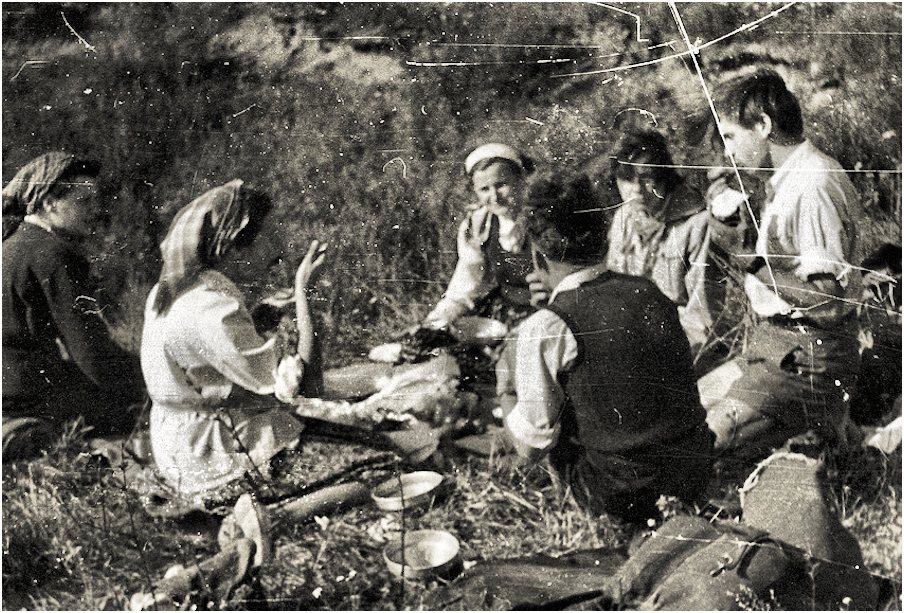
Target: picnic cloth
[(427, 391)]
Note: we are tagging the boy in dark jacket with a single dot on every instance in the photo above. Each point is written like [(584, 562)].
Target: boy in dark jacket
[(604, 379)]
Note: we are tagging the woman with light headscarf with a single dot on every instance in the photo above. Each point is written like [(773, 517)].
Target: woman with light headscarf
[(59, 362), (492, 243), (211, 378)]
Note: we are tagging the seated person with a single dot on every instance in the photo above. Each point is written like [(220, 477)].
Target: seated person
[(492, 245), (604, 381), (211, 377), (59, 362), (661, 232), (800, 357)]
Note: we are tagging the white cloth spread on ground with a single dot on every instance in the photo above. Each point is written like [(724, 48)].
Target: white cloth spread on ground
[(427, 392)]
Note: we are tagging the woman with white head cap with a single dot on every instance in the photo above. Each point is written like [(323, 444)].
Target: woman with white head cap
[(211, 378), (492, 247)]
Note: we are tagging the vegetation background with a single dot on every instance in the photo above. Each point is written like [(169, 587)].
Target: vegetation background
[(356, 117)]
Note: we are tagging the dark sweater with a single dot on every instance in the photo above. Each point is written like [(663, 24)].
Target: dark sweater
[(632, 387), (47, 296)]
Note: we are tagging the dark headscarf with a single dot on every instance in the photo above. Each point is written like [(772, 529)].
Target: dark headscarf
[(26, 192), (198, 237)]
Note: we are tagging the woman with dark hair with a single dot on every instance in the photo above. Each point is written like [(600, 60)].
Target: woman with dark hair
[(660, 232), (59, 362), (211, 378)]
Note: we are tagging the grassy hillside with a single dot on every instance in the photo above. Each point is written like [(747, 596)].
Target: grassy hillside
[(357, 117)]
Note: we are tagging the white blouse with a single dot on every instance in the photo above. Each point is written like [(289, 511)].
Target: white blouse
[(193, 357)]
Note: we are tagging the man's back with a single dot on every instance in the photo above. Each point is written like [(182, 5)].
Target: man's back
[(633, 383)]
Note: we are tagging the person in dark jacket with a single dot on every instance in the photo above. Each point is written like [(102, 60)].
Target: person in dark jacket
[(59, 361), (604, 381)]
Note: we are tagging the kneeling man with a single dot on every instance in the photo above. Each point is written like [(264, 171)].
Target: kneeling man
[(604, 381)]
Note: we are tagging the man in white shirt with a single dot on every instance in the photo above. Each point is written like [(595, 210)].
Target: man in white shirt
[(802, 352)]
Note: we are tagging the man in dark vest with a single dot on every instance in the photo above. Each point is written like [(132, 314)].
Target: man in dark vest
[(604, 381)]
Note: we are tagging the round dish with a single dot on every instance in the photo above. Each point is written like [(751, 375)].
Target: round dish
[(427, 553), (417, 489)]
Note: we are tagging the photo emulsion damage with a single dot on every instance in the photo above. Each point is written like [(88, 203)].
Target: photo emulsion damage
[(451, 306)]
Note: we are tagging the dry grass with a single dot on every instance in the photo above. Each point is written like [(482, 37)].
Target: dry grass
[(74, 538)]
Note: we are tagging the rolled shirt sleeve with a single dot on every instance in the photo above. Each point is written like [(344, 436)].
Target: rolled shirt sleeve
[(230, 348), (820, 231), (545, 348), (806, 223)]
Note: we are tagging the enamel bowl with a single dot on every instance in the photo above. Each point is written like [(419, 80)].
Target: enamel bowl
[(427, 554), (408, 491)]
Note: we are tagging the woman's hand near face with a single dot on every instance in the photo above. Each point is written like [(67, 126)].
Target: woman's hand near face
[(476, 231), (311, 262)]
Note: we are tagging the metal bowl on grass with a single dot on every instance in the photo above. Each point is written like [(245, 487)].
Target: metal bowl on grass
[(407, 491), (426, 554)]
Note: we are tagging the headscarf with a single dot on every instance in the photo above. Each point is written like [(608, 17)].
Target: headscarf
[(198, 237), (26, 192)]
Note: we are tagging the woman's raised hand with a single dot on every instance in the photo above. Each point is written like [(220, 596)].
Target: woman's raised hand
[(476, 232), (311, 262)]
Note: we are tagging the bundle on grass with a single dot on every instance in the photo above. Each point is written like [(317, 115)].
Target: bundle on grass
[(694, 563)]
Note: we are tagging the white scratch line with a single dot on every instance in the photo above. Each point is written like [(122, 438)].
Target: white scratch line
[(624, 12), (404, 166), (643, 112), (536, 121), (234, 115), (26, 64), (515, 45), (690, 51), (603, 208), (878, 171), (88, 45), (457, 64), (839, 33), (712, 107)]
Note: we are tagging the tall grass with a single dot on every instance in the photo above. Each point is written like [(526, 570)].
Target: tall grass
[(360, 140), (330, 108)]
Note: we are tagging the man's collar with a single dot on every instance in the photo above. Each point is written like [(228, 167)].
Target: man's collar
[(37, 221), (577, 279), (779, 173), (41, 223)]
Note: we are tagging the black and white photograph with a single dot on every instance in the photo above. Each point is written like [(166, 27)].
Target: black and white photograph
[(444, 306)]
